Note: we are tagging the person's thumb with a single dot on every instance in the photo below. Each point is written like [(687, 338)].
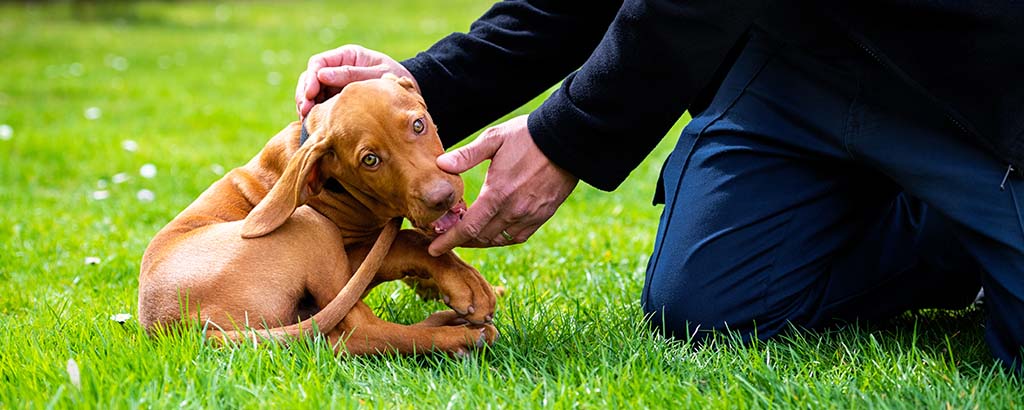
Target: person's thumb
[(342, 76), (462, 159)]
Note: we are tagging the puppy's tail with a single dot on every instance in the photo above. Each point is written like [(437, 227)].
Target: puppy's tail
[(336, 309)]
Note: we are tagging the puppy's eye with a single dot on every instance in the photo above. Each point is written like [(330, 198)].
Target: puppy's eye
[(371, 160), (418, 126)]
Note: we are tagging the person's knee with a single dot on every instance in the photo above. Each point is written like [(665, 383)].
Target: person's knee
[(684, 314)]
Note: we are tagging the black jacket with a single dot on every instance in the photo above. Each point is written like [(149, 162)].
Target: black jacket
[(630, 69)]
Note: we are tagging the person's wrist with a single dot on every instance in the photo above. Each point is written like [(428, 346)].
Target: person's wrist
[(539, 133)]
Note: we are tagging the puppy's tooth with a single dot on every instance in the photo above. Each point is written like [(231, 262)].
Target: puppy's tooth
[(446, 299), (471, 309), (488, 318)]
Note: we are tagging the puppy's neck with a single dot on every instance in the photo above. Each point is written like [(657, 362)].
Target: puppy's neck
[(356, 222)]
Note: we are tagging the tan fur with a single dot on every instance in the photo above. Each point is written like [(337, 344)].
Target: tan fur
[(267, 236)]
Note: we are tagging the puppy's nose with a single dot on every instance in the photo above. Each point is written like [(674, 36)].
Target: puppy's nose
[(439, 196)]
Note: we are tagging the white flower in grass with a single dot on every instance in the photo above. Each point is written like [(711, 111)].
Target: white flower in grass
[(100, 194), (268, 57), (222, 13), (120, 177), (73, 374), (116, 62), (92, 260), (120, 317), (6, 132), (93, 113), (145, 195), (148, 171), (217, 169), (76, 69), (130, 145), (284, 57), (327, 35), (164, 62), (274, 78)]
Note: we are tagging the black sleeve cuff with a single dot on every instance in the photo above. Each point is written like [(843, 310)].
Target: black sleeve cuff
[(430, 75)]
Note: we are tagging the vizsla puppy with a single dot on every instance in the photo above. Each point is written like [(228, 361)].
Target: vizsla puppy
[(274, 242)]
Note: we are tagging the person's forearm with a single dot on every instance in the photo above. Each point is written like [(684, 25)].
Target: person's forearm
[(654, 60), (511, 54)]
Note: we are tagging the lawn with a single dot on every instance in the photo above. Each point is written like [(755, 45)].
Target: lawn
[(113, 120)]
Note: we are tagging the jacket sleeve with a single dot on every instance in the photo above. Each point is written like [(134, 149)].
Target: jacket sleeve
[(655, 58), (515, 51)]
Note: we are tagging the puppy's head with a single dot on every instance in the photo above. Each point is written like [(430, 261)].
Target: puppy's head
[(377, 141)]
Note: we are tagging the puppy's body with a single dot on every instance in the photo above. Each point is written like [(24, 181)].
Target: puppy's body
[(304, 242), (203, 247)]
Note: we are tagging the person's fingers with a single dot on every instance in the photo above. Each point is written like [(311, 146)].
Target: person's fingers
[(519, 232), (346, 55), (302, 104), (300, 88), (304, 108), (328, 72), (344, 75), (328, 58), (490, 233), (518, 219), (311, 86), (349, 54), (468, 229), (462, 159)]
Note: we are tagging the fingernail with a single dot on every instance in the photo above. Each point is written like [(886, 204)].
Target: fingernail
[(446, 160)]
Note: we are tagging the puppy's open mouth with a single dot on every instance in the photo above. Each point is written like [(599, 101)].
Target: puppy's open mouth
[(449, 219)]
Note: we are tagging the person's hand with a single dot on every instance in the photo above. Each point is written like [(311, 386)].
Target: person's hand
[(521, 191), (330, 71)]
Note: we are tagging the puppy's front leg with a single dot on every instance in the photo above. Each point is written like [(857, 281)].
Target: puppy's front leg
[(462, 287)]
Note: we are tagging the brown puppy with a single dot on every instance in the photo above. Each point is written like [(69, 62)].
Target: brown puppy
[(275, 241)]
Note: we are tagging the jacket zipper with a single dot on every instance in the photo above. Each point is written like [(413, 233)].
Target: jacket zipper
[(963, 128), (1002, 185)]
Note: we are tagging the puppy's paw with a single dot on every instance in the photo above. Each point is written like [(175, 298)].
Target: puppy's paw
[(475, 337), (477, 307), (488, 335), (466, 292)]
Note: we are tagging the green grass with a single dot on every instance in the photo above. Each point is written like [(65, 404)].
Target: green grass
[(200, 87)]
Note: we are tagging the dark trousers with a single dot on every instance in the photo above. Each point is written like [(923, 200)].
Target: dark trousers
[(818, 188)]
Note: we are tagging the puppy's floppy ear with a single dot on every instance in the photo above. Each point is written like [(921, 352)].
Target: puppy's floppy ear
[(405, 82), (301, 180)]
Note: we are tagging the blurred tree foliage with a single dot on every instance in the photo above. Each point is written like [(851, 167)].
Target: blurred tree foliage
[(104, 9), (99, 10)]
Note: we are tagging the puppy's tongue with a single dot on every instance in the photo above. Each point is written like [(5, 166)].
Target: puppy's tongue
[(449, 219)]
